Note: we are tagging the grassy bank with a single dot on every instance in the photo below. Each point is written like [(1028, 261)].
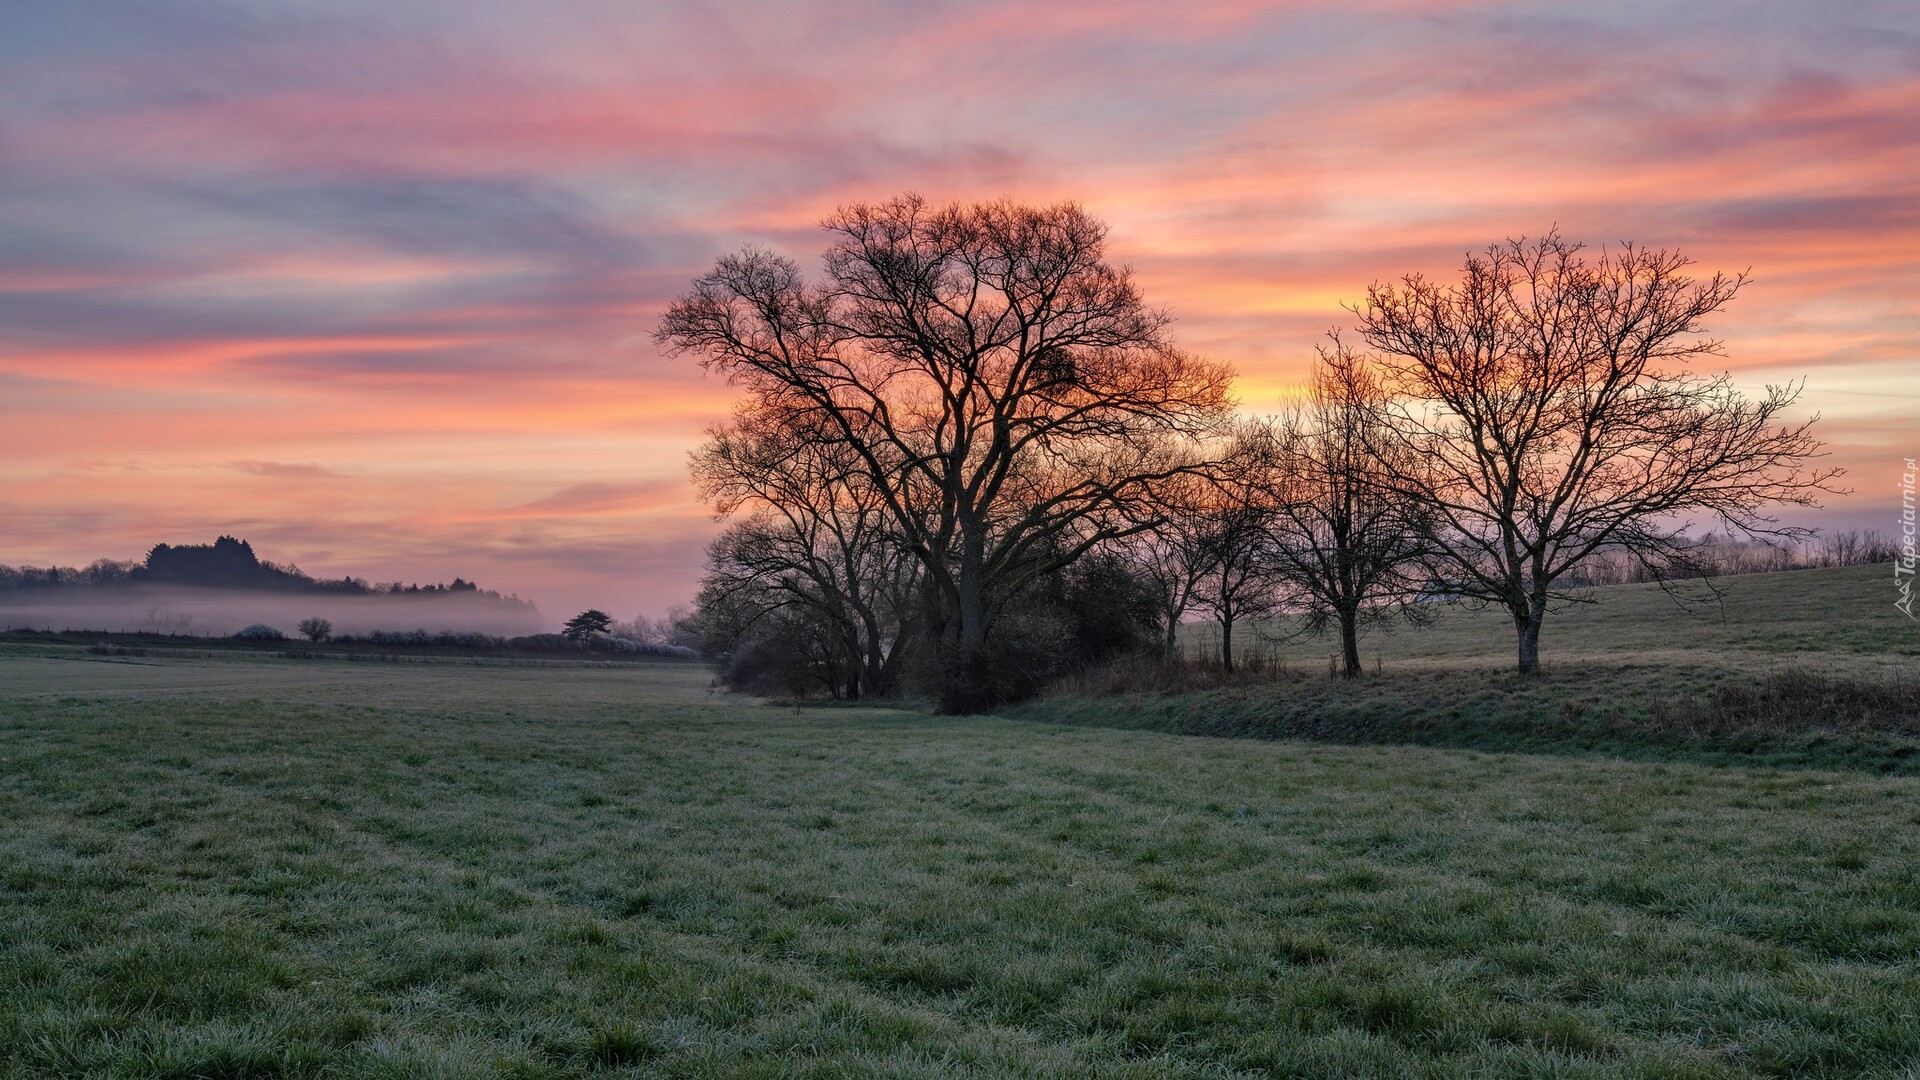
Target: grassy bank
[(255, 867), (1811, 668), (1840, 619), (1787, 716)]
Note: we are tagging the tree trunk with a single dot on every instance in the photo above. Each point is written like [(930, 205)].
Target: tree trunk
[(850, 646), (831, 676), (1226, 643), (967, 676), (1350, 641), (970, 602), (1527, 625), (875, 676)]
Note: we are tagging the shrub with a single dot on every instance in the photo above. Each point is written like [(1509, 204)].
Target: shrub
[(316, 629), (259, 632), (1025, 651), (773, 664)]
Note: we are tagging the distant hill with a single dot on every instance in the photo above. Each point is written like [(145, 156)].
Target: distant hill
[(227, 563)]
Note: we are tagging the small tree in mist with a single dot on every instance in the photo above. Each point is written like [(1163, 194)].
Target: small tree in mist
[(673, 628), (1543, 413), (587, 624), (316, 629)]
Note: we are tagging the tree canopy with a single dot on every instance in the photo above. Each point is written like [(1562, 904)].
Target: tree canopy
[(1001, 390)]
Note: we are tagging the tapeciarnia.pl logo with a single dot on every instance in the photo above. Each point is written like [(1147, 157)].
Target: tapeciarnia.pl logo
[(1904, 565)]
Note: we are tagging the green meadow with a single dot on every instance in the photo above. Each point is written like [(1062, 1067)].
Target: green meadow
[(247, 865)]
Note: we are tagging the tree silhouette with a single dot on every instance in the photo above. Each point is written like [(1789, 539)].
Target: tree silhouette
[(1344, 538), (997, 381), (1544, 414), (587, 624), (1242, 579), (815, 537)]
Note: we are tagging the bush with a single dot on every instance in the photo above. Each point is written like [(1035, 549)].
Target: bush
[(1026, 650), (259, 632), (1111, 610), (316, 629), (776, 664)]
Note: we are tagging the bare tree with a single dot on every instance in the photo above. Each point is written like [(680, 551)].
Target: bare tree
[(1344, 536), (1176, 554), (1242, 579), (1003, 386), (815, 537), (1546, 399), (672, 628)]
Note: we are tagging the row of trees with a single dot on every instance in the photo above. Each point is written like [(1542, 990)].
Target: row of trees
[(972, 445)]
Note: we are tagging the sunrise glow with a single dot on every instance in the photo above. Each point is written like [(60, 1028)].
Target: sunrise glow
[(373, 285)]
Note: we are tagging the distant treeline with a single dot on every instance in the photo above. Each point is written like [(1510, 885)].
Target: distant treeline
[(226, 563), (1717, 554)]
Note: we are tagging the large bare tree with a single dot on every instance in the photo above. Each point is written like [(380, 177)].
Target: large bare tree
[(1006, 389), (1547, 400)]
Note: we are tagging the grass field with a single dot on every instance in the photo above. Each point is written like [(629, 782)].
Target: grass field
[(255, 867)]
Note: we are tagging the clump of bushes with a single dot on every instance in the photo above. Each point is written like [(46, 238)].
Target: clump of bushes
[(1096, 612), (258, 632)]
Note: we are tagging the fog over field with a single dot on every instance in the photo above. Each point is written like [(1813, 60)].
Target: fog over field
[(181, 609)]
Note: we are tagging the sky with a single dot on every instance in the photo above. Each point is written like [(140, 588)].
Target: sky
[(372, 284)]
